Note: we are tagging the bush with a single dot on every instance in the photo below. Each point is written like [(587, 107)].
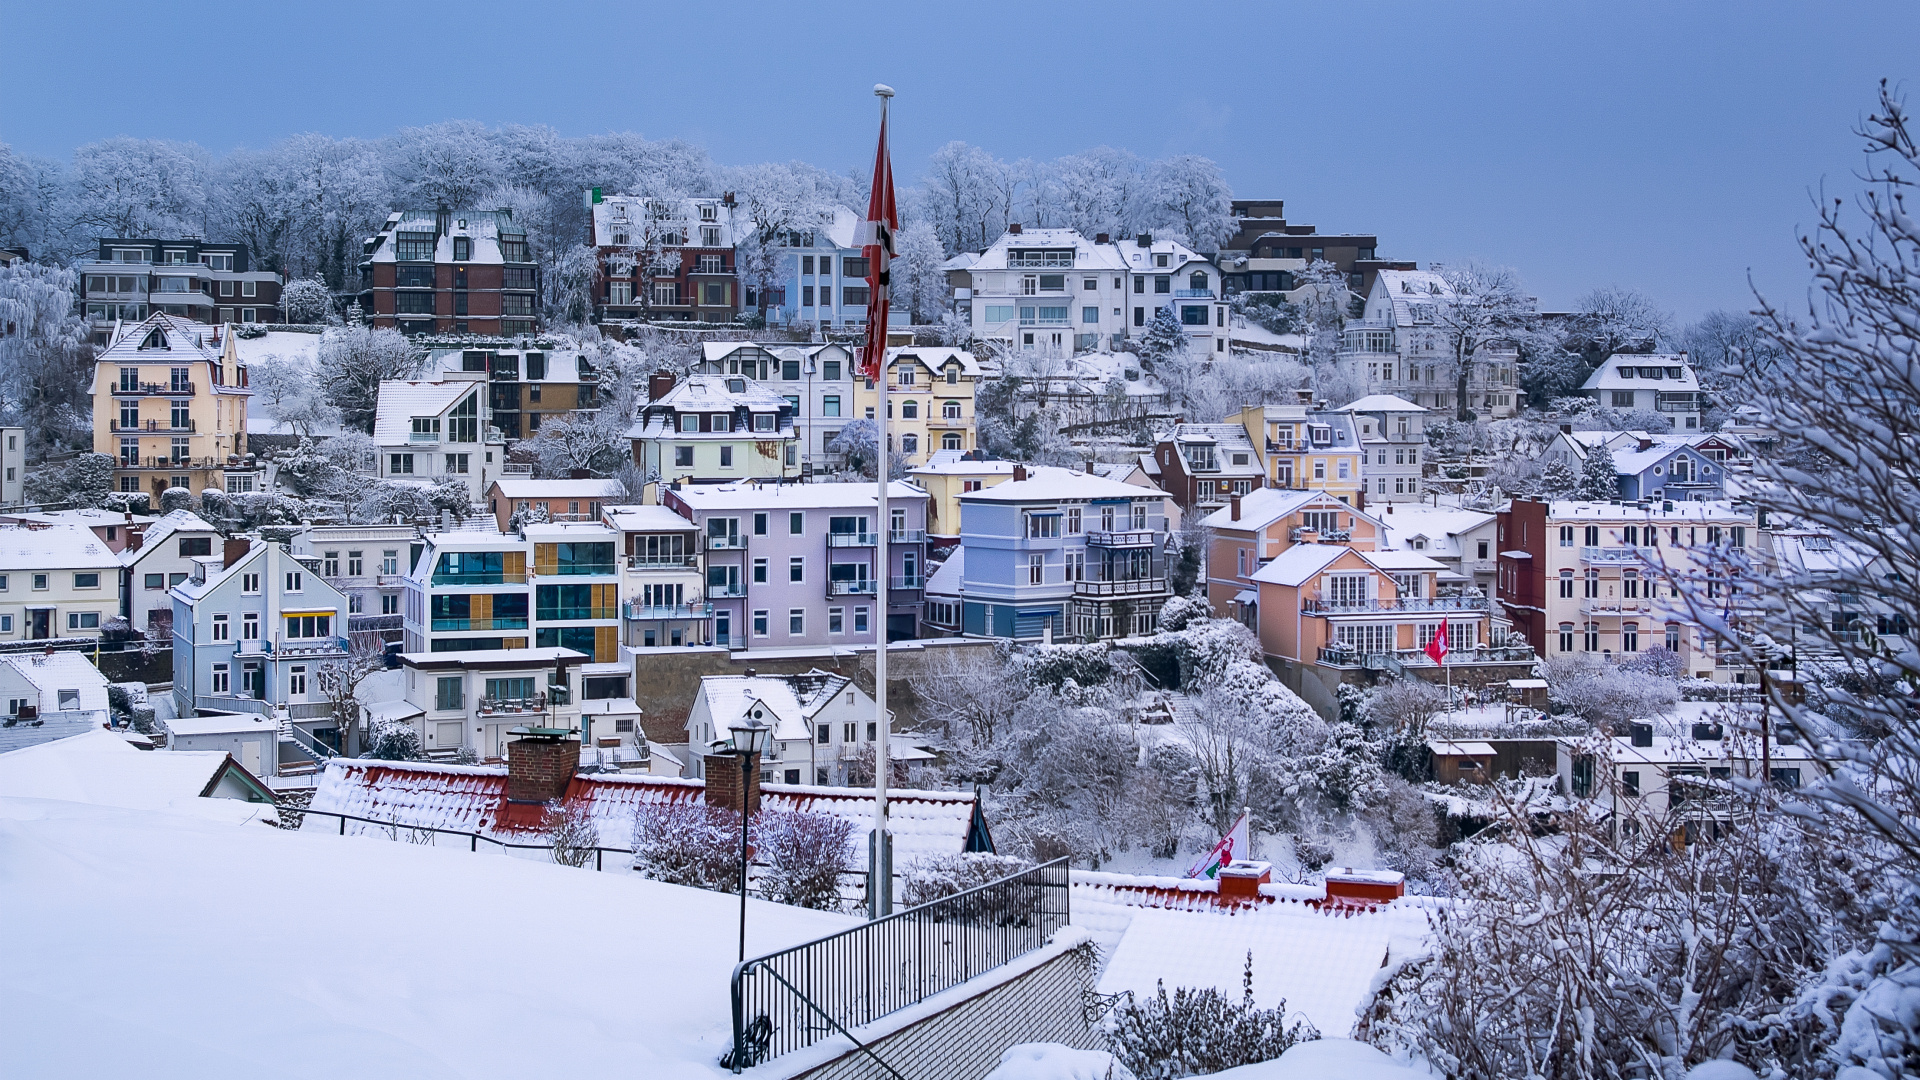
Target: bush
[(805, 854), (688, 844), (394, 740), (571, 832), (927, 880), (1200, 1031)]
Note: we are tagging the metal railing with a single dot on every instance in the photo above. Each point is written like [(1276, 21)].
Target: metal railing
[(852, 539), (662, 562), (481, 624), (1620, 556), (856, 587), (1122, 538), (789, 1000), (907, 536), (1123, 587), (153, 426), (726, 592), (1408, 603), (727, 542), (668, 611), (913, 582), (1193, 294)]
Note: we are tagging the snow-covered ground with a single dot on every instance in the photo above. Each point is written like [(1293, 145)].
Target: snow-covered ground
[(1322, 1059), (161, 945)]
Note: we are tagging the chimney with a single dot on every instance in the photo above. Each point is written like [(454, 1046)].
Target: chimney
[(1646, 444), (442, 220), (723, 782), (1102, 238), (1566, 428), (1014, 229), (235, 549), (1389, 508), (1345, 885), (1240, 881), (727, 199), (1019, 473), (1144, 239), (1233, 508), (539, 767), (659, 384), (1641, 735)]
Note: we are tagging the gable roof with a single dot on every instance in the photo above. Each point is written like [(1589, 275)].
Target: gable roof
[(794, 700), (1298, 563), (946, 580), (103, 769), (185, 341), (57, 547), (473, 798), (402, 400), (1608, 375), (1381, 403), (1263, 506), (51, 674), (160, 531)]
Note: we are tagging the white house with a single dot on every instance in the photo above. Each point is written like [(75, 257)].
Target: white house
[(1651, 382), (434, 431), (817, 380), (823, 725), (1393, 438), (472, 700), (56, 581), (1396, 347), (52, 686), (160, 557)]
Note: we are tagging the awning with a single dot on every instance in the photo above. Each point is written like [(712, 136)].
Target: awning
[(1246, 597)]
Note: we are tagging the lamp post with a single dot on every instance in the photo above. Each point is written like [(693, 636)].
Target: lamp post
[(749, 737)]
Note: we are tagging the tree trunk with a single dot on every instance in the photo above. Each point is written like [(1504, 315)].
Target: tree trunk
[(1460, 411)]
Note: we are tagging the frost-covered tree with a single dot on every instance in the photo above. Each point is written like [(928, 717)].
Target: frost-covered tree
[(307, 300), (1607, 696), (963, 193), (136, 187), (920, 275), (688, 843), (1103, 190), (1162, 338), (1559, 481), (292, 393), (571, 833), (595, 443), (1187, 195), (1480, 307), (86, 480), (45, 361), (450, 163), (566, 286), (1599, 479), (354, 360), (339, 681)]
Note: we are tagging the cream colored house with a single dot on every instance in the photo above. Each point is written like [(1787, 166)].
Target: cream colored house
[(170, 406), (930, 394)]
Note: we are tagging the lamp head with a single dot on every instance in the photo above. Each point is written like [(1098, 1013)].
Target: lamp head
[(750, 736)]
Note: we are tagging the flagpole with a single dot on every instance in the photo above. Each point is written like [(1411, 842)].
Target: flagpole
[(880, 853)]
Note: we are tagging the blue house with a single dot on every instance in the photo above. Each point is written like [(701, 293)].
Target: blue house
[(1679, 471), (1059, 553)]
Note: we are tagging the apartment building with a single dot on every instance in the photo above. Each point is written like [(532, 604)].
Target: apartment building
[(796, 565), (711, 429), (524, 385), (1061, 554), (1051, 291), (448, 271), (132, 279), (1396, 347), (822, 277), (1269, 252), (663, 601), (1302, 445), (817, 381), (945, 477), (368, 564), (929, 400), (474, 700), (1393, 442), (550, 498), (1204, 465), (429, 432), (170, 406), (1661, 383), (666, 259), (1594, 577), (552, 585), (255, 626), (56, 581), (1252, 529)]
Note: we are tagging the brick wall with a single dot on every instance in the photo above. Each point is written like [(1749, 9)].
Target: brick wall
[(965, 1040), (723, 782), (538, 770)]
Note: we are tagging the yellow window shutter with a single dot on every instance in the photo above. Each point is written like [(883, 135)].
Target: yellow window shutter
[(514, 565), (513, 643), (546, 559), (480, 609), (606, 645)]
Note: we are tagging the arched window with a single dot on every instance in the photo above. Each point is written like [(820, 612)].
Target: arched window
[(1566, 586), (950, 441), (1566, 637), (950, 410), (909, 444), (1629, 637), (1197, 281), (910, 410)]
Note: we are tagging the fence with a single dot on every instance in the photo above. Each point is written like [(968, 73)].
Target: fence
[(789, 1000)]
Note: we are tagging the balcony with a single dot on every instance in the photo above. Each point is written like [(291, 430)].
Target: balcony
[(1193, 294), (666, 611), (1393, 660), (480, 624), (153, 427), (1123, 587), (1329, 536), (914, 582), (1122, 538), (852, 539), (1408, 604), (511, 706), (1669, 402), (945, 423), (1620, 556), (286, 648), (169, 463), (907, 536), (662, 562), (1597, 606), (730, 591), (154, 389), (1046, 322), (586, 613), (420, 438), (856, 587), (727, 542)]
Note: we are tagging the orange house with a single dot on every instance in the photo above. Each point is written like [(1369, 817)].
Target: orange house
[(1340, 608), (1256, 527)]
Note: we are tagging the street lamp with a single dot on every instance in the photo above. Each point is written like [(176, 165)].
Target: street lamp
[(749, 738)]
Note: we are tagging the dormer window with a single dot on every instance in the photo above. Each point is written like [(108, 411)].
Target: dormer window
[(736, 386), (710, 212), (1160, 260), (462, 249)]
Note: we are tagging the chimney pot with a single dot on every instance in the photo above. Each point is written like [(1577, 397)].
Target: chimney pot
[(1347, 885), (1019, 473), (1233, 505), (1144, 239), (659, 385), (1014, 228)]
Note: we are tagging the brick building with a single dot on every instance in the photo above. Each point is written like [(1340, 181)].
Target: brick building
[(450, 272)]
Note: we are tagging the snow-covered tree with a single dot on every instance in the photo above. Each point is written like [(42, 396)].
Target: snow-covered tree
[(1199, 1031), (451, 163), (354, 360), (1559, 481), (1605, 695), (1162, 338), (1599, 479), (688, 843), (86, 480), (571, 832), (919, 274), (45, 361), (1103, 190), (306, 300), (566, 286), (964, 194), (292, 393), (1187, 195), (136, 187), (1479, 307)]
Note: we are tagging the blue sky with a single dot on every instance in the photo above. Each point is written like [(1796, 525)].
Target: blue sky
[(1669, 147)]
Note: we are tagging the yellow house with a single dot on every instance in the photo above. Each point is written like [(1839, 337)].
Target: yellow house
[(170, 406), (950, 475), (1301, 449), (929, 396)]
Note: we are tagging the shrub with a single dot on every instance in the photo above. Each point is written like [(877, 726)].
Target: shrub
[(1200, 1031), (571, 832), (688, 844), (805, 854), (927, 880)]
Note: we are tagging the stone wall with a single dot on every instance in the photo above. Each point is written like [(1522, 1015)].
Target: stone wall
[(964, 1041)]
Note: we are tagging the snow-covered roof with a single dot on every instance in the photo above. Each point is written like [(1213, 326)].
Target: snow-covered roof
[(1636, 461), (59, 671), (1263, 506), (1440, 525), (1087, 255), (57, 547), (527, 487), (714, 497), (402, 400), (1408, 290), (1381, 403), (1668, 372), (1444, 748), (956, 463), (156, 534), (1400, 560), (706, 394), (542, 657), (935, 358), (793, 700), (1683, 511), (481, 226), (91, 517), (473, 798), (387, 999), (646, 519), (1680, 750), (186, 341), (946, 580), (225, 723), (1052, 485), (102, 769), (1298, 563)]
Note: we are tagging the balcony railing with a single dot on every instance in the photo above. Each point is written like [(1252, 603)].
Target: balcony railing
[(1122, 538), (1327, 536), (423, 437), (1122, 587), (914, 582), (1598, 606), (662, 562), (1193, 294), (726, 542), (576, 614), (1393, 659), (1402, 603), (480, 624), (153, 426), (1620, 556), (852, 539), (856, 587), (667, 611), (158, 462), (496, 706), (907, 536), (726, 592), (286, 647), (182, 389)]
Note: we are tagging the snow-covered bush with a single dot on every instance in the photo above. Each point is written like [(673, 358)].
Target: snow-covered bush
[(571, 832), (1607, 695), (1199, 1031), (928, 879), (394, 740), (688, 843), (1181, 610), (804, 856), (306, 300)]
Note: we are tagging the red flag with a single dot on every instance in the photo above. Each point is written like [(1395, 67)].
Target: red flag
[(876, 244), (1437, 648)]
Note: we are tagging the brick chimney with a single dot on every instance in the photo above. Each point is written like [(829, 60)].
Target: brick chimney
[(1240, 881), (539, 767), (1145, 239), (234, 549), (1345, 885), (1014, 228), (1019, 473), (659, 384), (1233, 508), (1102, 238), (723, 782)]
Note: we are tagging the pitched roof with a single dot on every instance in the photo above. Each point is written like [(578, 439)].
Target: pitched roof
[(1051, 484), (946, 580), (1381, 403), (473, 798), (58, 547), (102, 769), (712, 497), (527, 487), (185, 341), (51, 674), (158, 532), (1263, 506), (1609, 376), (402, 400), (793, 700), (1298, 563)]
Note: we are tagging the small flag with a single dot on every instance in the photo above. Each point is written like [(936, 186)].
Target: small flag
[(876, 244), (1437, 648), (1231, 846)]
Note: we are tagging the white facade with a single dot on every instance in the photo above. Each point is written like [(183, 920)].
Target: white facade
[(1393, 440), (57, 581), (817, 380), (428, 432), (13, 465), (162, 559), (52, 686), (1396, 348), (821, 723), (1650, 382), (474, 699)]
